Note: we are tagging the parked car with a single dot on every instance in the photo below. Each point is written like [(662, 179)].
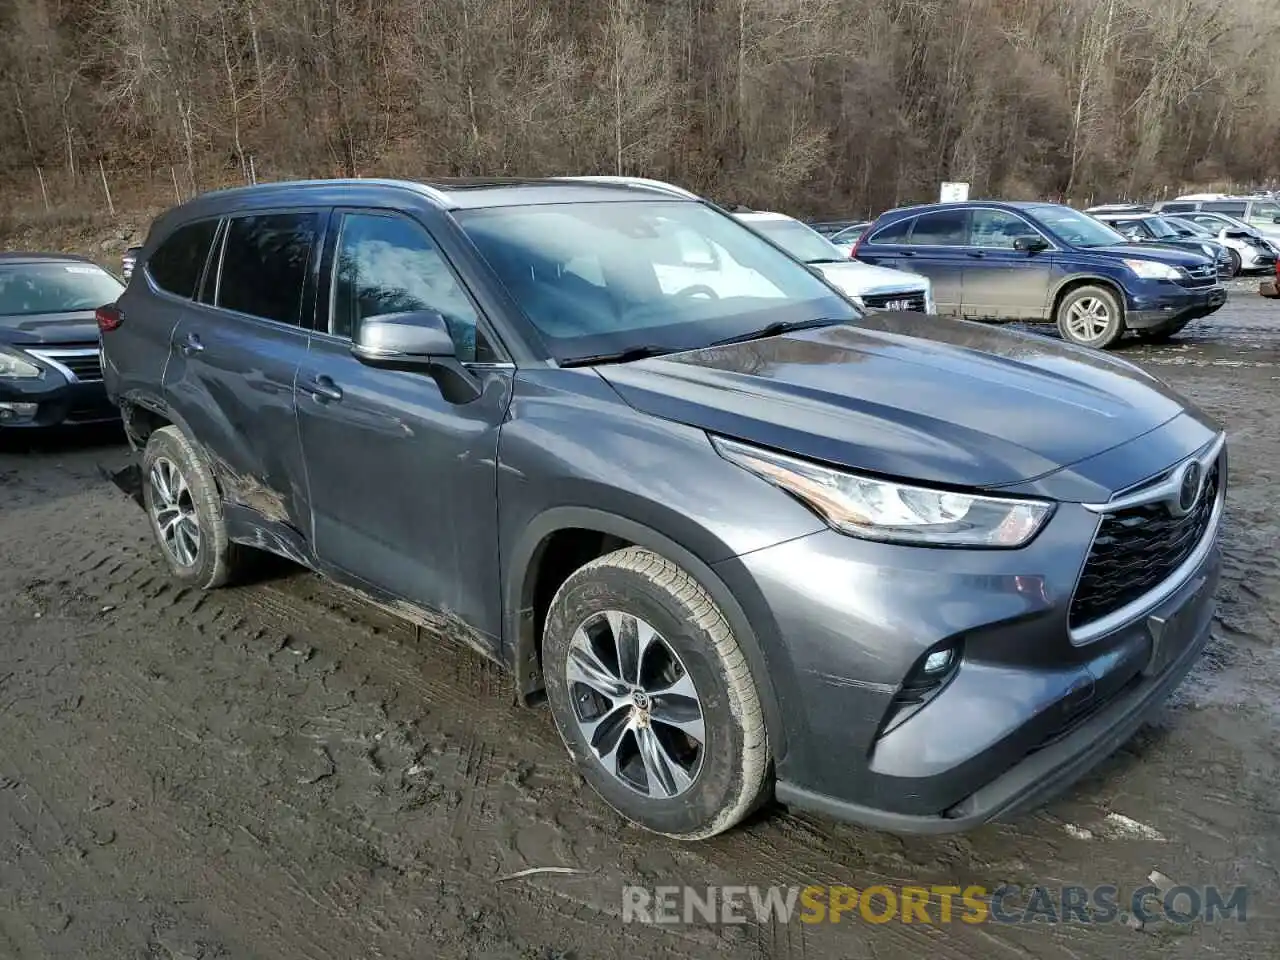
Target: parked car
[(1261, 213), (1256, 251), (50, 372), (910, 574), (872, 288), (1042, 261), (829, 228), (845, 240), (1241, 247), (1149, 228), (127, 261)]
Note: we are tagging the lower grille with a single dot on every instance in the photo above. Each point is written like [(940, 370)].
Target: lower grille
[(1137, 549), (908, 300)]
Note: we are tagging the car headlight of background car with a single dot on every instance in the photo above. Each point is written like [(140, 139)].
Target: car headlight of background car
[(875, 509), (16, 367), (1152, 270)]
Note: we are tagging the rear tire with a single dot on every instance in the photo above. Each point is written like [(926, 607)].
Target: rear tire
[(665, 726), (1090, 316), (182, 502)]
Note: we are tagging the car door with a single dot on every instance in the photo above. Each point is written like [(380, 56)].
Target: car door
[(402, 482), (1000, 281), (937, 249), (235, 356)]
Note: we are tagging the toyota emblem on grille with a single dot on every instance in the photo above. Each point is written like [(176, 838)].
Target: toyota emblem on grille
[(1189, 485)]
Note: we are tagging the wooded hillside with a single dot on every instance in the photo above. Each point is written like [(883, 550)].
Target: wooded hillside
[(806, 105)]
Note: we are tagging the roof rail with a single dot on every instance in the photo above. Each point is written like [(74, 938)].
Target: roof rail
[(637, 182)]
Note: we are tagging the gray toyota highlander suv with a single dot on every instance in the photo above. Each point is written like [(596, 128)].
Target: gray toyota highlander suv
[(909, 573)]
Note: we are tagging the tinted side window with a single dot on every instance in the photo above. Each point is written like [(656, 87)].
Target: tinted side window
[(178, 263), (944, 228), (893, 233), (1233, 208), (997, 229), (1176, 207), (388, 264), (264, 264)]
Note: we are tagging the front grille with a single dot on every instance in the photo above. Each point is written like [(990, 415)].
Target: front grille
[(84, 362), (908, 300), (1202, 275), (1136, 550)]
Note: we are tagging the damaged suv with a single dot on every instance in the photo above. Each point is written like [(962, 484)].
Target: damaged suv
[(909, 574)]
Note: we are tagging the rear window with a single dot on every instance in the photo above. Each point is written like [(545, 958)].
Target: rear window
[(28, 289), (1235, 208), (264, 264), (178, 263), (1176, 207), (946, 228)]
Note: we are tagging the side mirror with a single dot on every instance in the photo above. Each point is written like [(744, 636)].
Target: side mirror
[(1275, 219), (416, 341), (1030, 244)]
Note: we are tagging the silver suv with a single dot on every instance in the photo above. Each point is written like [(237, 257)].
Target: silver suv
[(1261, 213)]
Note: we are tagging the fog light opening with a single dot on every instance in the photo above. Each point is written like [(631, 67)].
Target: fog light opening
[(17, 412)]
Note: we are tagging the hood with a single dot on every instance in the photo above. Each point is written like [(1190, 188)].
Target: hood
[(1151, 251), (860, 279), (908, 396), (49, 329)]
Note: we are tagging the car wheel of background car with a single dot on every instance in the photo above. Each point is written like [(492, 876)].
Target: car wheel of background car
[(1236, 262), (1163, 333), (1091, 317), (653, 696), (182, 502)]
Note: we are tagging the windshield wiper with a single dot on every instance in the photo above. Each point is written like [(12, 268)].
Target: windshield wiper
[(622, 356), (773, 330), (829, 260)]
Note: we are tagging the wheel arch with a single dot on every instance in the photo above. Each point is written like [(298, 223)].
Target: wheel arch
[(1076, 281), (523, 584)]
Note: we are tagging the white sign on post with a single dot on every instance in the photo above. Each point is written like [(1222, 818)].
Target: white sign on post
[(953, 192)]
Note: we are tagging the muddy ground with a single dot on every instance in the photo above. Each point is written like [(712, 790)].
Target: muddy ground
[(279, 770)]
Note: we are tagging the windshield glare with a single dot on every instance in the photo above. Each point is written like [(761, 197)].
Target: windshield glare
[(602, 278), (798, 240), (1077, 228), (29, 289), (1161, 228)]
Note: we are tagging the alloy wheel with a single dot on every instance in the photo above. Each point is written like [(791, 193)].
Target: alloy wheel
[(174, 512), (635, 704), (1088, 318)]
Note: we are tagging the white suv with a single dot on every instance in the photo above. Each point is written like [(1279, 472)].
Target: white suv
[(871, 288)]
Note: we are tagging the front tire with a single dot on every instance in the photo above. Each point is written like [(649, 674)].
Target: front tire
[(1236, 263), (653, 697), (182, 502), (1090, 316)]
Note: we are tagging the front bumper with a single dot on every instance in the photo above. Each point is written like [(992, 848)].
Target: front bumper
[(1158, 303), (57, 401), (1027, 711)]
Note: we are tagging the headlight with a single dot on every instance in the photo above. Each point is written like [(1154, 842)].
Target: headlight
[(1151, 270), (894, 512), (1209, 251), (14, 367)]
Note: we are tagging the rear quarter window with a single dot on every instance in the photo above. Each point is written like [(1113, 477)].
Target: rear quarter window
[(895, 232), (1224, 206), (178, 264)]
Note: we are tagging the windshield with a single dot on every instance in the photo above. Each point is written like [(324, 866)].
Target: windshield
[(801, 242), (604, 278), (1077, 228), (1161, 229), (27, 289)]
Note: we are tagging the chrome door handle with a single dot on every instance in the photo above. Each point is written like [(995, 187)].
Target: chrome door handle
[(323, 390), (191, 345)]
